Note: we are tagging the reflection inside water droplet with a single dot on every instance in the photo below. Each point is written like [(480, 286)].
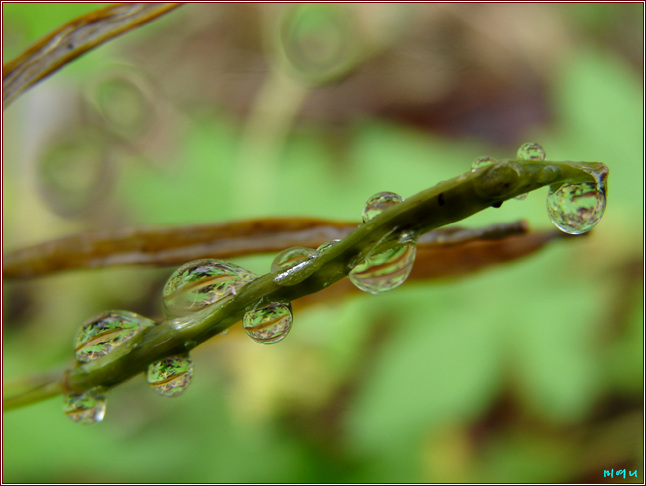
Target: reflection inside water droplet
[(290, 257), (576, 208), (482, 161), (379, 202), (384, 271), (170, 377), (200, 283), (269, 324), (103, 333), (531, 151), (290, 263), (85, 408)]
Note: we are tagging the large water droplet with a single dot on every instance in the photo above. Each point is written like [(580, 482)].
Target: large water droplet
[(101, 334), (530, 151), (85, 408), (200, 283), (385, 270), (576, 208), (269, 324), (482, 161), (378, 203), (290, 257), (171, 376)]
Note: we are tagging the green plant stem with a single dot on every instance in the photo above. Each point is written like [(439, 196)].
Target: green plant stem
[(445, 203)]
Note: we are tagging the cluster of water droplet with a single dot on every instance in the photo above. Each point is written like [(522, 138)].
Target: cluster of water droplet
[(98, 337), (574, 208), (383, 270), (191, 288)]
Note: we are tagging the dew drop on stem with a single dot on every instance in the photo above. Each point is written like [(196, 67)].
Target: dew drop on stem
[(385, 270), (482, 161), (200, 283), (531, 151), (290, 262), (576, 208), (269, 324), (171, 376), (105, 332), (378, 203), (85, 408), (291, 257)]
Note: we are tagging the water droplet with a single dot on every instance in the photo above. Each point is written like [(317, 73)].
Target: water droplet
[(378, 203), (521, 197), (327, 245), (290, 257), (171, 376), (385, 270), (200, 283), (290, 263), (530, 151), (85, 408), (576, 208), (269, 324), (482, 161), (101, 334), (224, 333)]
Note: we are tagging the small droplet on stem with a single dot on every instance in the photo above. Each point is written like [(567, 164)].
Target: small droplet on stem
[(269, 324), (85, 408), (378, 203), (482, 161), (170, 377), (531, 151)]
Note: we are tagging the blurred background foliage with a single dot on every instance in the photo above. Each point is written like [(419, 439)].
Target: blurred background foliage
[(528, 372)]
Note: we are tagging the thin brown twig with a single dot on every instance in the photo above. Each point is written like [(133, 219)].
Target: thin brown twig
[(177, 245)]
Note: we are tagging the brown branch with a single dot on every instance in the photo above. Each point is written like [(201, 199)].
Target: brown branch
[(177, 245), (72, 40)]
